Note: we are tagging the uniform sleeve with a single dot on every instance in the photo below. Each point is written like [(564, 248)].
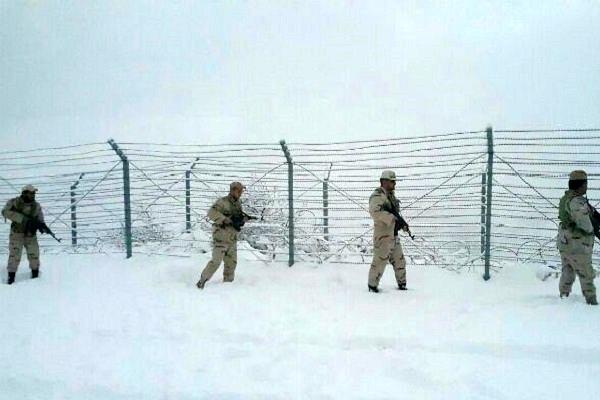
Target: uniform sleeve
[(376, 202), (14, 216), (397, 204), (580, 214), (40, 214), (215, 214)]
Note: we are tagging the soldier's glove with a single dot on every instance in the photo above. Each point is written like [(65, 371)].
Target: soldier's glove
[(226, 221)]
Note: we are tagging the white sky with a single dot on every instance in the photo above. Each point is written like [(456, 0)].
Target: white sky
[(224, 71)]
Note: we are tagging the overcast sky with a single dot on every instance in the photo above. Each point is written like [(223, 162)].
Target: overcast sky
[(225, 71)]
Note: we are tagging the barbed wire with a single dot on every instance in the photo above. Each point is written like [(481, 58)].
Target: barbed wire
[(439, 187)]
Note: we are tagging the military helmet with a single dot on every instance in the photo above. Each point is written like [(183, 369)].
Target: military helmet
[(578, 175), (235, 185), (389, 175), (29, 188)]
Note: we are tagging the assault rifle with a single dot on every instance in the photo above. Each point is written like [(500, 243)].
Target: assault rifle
[(43, 228), (239, 220), (34, 225), (400, 222)]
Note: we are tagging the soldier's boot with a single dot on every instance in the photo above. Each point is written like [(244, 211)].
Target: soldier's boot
[(228, 277), (402, 286), (564, 294), (11, 278), (35, 273), (200, 284), (591, 300), (373, 289)]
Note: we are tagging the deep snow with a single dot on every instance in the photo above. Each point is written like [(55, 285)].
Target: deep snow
[(101, 327)]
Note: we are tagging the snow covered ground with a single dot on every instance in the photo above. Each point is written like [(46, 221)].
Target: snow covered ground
[(101, 327)]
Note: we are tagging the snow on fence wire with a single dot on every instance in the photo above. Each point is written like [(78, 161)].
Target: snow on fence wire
[(444, 184)]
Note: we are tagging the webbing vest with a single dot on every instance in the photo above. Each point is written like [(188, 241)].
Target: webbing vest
[(20, 206), (235, 207), (564, 215)]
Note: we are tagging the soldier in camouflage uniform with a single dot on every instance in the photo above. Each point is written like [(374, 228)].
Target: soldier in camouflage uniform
[(23, 212), (386, 245), (227, 217), (575, 239)]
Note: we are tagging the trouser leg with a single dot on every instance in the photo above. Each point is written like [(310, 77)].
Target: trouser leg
[(33, 252), (218, 252), (382, 249), (567, 276), (582, 264), (398, 262), (230, 262), (15, 250)]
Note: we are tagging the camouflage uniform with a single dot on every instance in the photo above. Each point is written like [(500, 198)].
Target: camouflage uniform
[(224, 239), (575, 241), (17, 211), (386, 246)]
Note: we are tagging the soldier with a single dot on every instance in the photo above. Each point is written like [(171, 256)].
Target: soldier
[(228, 218), (25, 214), (386, 245), (575, 240)]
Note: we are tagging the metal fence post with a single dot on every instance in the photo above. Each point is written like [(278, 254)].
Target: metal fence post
[(188, 202), (188, 197), (488, 195), (483, 202), (326, 205), (74, 211), (325, 209), (126, 195), (288, 157)]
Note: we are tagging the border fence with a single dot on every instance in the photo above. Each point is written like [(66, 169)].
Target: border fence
[(477, 199)]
